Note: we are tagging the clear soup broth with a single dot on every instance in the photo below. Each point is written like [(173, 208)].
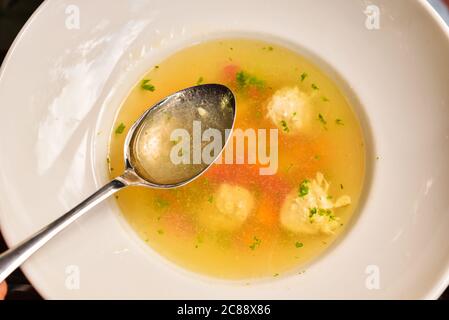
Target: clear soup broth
[(233, 222)]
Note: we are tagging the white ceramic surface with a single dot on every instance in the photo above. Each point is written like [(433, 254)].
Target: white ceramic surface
[(60, 88)]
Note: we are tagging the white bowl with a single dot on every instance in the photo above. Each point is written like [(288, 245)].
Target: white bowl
[(60, 88)]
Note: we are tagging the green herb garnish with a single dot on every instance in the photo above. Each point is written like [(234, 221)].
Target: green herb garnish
[(245, 80), (175, 142), (284, 126), (146, 85), (121, 127), (199, 81), (255, 243), (321, 118), (315, 87), (161, 203), (299, 244), (323, 212), (312, 212), (303, 188), (339, 122), (303, 76)]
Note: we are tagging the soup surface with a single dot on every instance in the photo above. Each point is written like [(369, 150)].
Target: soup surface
[(238, 221)]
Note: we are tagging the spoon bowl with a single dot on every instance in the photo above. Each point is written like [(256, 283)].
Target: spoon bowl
[(190, 112)]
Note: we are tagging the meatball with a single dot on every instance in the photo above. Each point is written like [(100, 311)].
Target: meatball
[(289, 109), (228, 209), (309, 210)]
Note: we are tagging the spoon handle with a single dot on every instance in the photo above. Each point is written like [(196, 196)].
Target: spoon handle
[(13, 258)]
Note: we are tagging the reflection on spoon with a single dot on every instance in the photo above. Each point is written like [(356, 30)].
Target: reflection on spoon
[(169, 144)]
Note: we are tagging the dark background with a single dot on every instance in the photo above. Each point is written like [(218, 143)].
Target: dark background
[(13, 14)]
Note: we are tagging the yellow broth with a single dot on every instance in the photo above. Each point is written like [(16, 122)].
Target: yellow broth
[(170, 221)]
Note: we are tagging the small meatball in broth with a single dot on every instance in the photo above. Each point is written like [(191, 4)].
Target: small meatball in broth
[(233, 205), (310, 210), (288, 109)]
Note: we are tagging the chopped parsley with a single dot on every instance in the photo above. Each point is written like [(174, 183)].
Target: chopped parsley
[(256, 243), (245, 80), (211, 199), (341, 186), (323, 212), (161, 203), (299, 244), (303, 76), (315, 87), (199, 81), (175, 142), (312, 212), (339, 122), (160, 231), (199, 240), (321, 118), (325, 99), (146, 85), (303, 188), (284, 126), (121, 127)]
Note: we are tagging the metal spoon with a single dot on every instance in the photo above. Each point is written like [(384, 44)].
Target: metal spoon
[(147, 162)]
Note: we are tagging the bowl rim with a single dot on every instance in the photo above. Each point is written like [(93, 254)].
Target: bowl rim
[(434, 292)]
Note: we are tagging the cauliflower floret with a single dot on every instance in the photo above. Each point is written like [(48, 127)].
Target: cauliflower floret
[(289, 109), (228, 209), (309, 209)]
